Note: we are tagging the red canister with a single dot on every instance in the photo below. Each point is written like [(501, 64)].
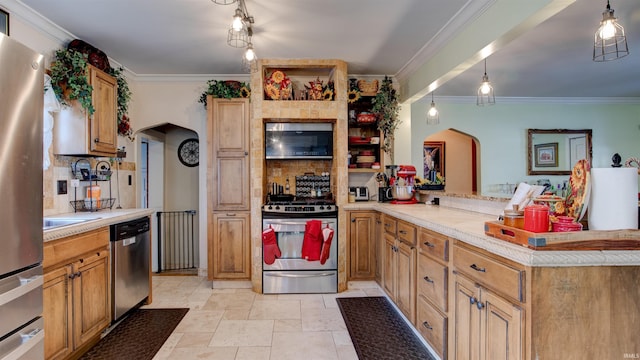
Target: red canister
[(536, 218)]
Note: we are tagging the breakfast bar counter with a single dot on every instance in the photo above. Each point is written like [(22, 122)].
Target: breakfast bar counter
[(469, 227)]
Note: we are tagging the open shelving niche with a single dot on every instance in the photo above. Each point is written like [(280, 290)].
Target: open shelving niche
[(100, 173), (364, 131)]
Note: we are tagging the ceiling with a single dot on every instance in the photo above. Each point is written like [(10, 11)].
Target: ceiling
[(188, 37)]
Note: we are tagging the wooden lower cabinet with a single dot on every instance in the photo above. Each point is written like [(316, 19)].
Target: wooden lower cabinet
[(76, 295), (432, 325), (486, 326), (406, 280), (362, 245), (229, 238), (399, 265)]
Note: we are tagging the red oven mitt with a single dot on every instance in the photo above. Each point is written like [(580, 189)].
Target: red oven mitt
[(327, 234), (270, 249), (312, 241)]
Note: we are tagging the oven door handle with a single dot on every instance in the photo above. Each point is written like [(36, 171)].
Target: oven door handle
[(295, 223), (300, 275)]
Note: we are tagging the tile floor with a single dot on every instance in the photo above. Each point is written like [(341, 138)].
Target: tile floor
[(238, 324)]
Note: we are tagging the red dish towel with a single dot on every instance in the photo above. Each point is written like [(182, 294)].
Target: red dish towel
[(312, 241), (327, 234), (270, 249)]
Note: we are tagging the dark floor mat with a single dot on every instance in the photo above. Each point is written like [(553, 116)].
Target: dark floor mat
[(378, 332), (139, 336)]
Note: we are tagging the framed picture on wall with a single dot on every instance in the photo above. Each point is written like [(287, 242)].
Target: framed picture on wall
[(4, 22), (433, 152), (546, 155)]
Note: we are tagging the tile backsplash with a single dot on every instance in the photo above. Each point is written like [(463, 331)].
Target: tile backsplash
[(60, 170)]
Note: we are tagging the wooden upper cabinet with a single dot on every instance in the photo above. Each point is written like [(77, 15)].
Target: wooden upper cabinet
[(78, 133), (103, 123), (228, 169)]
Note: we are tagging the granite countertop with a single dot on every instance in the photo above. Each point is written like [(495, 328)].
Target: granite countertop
[(468, 226), (96, 220)]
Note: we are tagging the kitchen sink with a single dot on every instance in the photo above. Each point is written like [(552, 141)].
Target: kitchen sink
[(48, 223)]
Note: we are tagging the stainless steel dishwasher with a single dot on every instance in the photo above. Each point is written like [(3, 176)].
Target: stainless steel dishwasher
[(130, 271)]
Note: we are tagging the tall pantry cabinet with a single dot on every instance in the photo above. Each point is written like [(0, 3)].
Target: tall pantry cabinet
[(228, 219)]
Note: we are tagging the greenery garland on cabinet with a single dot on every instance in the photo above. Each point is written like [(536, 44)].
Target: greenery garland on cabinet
[(227, 89), (69, 82), (385, 104)]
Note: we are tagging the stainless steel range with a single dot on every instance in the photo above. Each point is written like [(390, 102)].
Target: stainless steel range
[(297, 269)]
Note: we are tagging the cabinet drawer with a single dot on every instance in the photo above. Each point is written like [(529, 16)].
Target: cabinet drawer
[(389, 225), (490, 273), (66, 250), (432, 281), (432, 325), (434, 244), (407, 233)]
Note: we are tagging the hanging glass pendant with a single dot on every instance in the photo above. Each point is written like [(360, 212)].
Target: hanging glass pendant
[(485, 91), (433, 117), (610, 42)]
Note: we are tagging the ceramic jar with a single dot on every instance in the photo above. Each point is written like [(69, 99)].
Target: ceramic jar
[(566, 223), (536, 218)]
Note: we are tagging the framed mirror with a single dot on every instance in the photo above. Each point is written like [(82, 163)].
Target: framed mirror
[(555, 151)]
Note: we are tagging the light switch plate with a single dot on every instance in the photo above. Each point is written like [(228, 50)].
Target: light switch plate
[(75, 183), (62, 187)]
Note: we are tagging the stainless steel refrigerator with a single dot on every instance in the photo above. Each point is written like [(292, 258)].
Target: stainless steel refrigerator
[(21, 113)]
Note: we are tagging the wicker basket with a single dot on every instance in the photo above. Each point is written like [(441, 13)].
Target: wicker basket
[(368, 88)]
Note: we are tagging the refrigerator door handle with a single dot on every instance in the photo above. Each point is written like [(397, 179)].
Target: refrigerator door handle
[(29, 341), (26, 285)]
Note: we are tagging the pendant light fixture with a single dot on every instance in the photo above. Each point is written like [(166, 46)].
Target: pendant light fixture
[(249, 58), (433, 117), (485, 91), (610, 42), (240, 32)]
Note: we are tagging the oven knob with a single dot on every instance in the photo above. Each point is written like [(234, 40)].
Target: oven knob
[(321, 207), (270, 207), (328, 207), (277, 207)]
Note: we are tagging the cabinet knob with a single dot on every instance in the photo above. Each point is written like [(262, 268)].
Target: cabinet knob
[(428, 244), (353, 220), (477, 268), (480, 305), (96, 140), (426, 324), (246, 153), (427, 279), (472, 300), (72, 276)]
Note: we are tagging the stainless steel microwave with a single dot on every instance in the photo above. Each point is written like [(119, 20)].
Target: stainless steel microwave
[(298, 141)]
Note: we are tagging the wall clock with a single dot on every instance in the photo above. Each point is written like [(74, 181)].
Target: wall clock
[(189, 152)]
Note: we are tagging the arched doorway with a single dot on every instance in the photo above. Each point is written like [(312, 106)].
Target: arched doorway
[(461, 160)]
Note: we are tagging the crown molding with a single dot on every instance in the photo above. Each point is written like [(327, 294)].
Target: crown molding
[(467, 14), (537, 100)]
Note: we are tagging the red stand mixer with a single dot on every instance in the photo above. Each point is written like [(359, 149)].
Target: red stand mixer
[(402, 190)]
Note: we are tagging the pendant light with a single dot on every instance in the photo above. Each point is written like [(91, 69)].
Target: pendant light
[(223, 2), (485, 91), (249, 58), (433, 117), (610, 42)]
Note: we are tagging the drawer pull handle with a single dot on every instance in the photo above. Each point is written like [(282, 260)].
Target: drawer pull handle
[(402, 232), (480, 305), (472, 300), (428, 244), (427, 279), (426, 324), (476, 268)]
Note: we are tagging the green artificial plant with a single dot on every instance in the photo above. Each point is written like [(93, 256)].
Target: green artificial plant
[(225, 89), (124, 96), (385, 105), (69, 79)]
